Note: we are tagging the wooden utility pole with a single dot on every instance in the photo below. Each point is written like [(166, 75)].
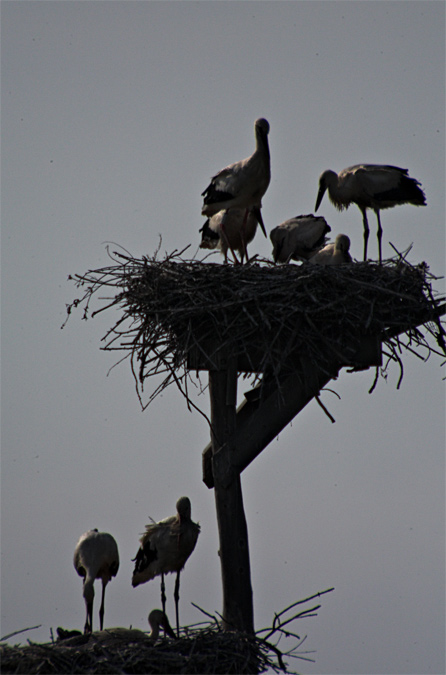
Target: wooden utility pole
[(233, 531), (238, 436)]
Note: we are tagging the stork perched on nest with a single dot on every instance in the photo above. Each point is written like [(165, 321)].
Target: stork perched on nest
[(158, 619), (299, 238), (370, 186), (334, 254), (234, 236), (95, 557), (165, 547), (242, 185)]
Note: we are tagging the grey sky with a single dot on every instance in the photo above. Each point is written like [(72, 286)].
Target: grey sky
[(114, 116)]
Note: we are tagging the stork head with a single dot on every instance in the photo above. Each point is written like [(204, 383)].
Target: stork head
[(261, 126), (328, 179), (323, 184), (184, 508), (210, 237), (342, 243), (157, 620)]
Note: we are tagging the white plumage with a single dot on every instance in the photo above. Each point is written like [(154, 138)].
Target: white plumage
[(370, 186), (334, 254), (234, 236), (95, 557), (165, 547), (242, 184), (299, 238)]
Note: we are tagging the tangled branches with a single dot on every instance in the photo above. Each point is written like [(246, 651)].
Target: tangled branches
[(201, 648), (262, 314)]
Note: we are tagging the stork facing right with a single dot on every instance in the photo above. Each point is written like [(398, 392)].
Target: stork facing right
[(165, 547), (370, 186)]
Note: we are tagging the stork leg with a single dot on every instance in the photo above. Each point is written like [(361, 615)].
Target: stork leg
[(223, 231), (163, 593), (101, 609), (89, 619), (176, 595), (366, 231), (243, 238), (380, 235)]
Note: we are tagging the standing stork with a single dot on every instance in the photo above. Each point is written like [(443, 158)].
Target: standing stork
[(242, 184), (370, 186), (334, 254), (299, 238), (95, 557), (165, 547), (235, 236)]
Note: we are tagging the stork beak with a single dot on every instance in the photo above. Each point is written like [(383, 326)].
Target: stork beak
[(320, 194), (258, 215)]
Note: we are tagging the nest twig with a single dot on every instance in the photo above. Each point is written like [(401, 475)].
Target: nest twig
[(259, 312), (200, 649)]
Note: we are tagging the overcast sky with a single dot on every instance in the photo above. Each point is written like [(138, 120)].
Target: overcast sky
[(114, 117)]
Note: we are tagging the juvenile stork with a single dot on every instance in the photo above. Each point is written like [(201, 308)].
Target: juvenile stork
[(242, 184), (299, 238), (157, 620), (165, 547), (334, 254), (370, 186), (95, 557), (235, 236)]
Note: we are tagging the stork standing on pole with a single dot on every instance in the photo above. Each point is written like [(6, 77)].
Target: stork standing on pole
[(242, 184), (165, 547), (95, 557), (299, 238), (370, 186)]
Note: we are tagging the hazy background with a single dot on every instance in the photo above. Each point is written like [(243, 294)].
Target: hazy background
[(114, 117)]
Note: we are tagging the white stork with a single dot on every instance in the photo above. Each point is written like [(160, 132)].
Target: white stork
[(242, 184), (95, 557), (299, 238), (157, 619), (165, 547), (334, 254), (234, 236), (370, 186)]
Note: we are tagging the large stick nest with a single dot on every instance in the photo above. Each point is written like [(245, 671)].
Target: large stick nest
[(260, 313), (199, 649), (202, 652)]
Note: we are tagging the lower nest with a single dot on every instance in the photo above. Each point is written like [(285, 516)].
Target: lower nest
[(203, 651)]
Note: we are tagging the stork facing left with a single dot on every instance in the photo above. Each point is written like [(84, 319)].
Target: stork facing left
[(370, 186)]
